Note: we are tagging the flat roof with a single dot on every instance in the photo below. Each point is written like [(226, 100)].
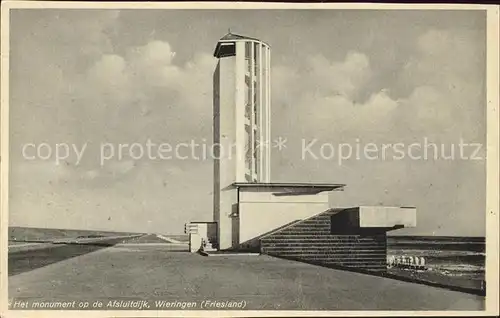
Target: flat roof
[(232, 36), (290, 185)]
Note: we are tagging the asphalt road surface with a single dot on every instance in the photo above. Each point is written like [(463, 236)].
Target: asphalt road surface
[(167, 272), (26, 257)]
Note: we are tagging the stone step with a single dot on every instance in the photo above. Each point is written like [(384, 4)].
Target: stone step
[(209, 247)]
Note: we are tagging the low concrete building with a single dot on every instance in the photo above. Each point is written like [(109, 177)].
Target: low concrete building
[(265, 207)]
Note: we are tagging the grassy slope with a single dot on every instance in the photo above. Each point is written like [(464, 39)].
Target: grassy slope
[(29, 233)]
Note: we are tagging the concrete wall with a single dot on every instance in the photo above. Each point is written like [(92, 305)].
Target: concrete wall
[(380, 216), (264, 210), (225, 195), (264, 112), (216, 141), (238, 104), (267, 119)]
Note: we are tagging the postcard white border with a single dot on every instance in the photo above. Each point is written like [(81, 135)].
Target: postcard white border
[(492, 219)]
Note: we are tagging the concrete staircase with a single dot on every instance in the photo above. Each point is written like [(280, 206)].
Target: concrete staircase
[(313, 240)]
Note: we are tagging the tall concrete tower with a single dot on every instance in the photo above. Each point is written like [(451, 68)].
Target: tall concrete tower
[(242, 124)]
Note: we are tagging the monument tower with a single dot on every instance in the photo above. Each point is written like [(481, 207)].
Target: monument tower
[(252, 213), (242, 121)]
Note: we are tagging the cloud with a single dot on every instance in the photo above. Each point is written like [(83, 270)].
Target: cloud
[(153, 54), (437, 95), (323, 99), (442, 79), (146, 83), (343, 78), (90, 93), (45, 172), (446, 76)]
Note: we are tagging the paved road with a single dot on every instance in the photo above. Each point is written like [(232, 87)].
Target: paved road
[(155, 272), (147, 238), (27, 257), (23, 261)]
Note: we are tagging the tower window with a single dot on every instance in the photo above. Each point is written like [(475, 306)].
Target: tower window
[(227, 49), (248, 47)]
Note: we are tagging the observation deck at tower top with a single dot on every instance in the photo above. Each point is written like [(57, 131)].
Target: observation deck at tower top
[(231, 37)]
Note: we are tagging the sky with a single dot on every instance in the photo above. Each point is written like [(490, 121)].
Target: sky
[(92, 79)]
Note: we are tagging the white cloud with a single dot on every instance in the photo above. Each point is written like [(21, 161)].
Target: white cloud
[(127, 99), (108, 71), (323, 102), (153, 54), (344, 78), (443, 79), (147, 81)]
